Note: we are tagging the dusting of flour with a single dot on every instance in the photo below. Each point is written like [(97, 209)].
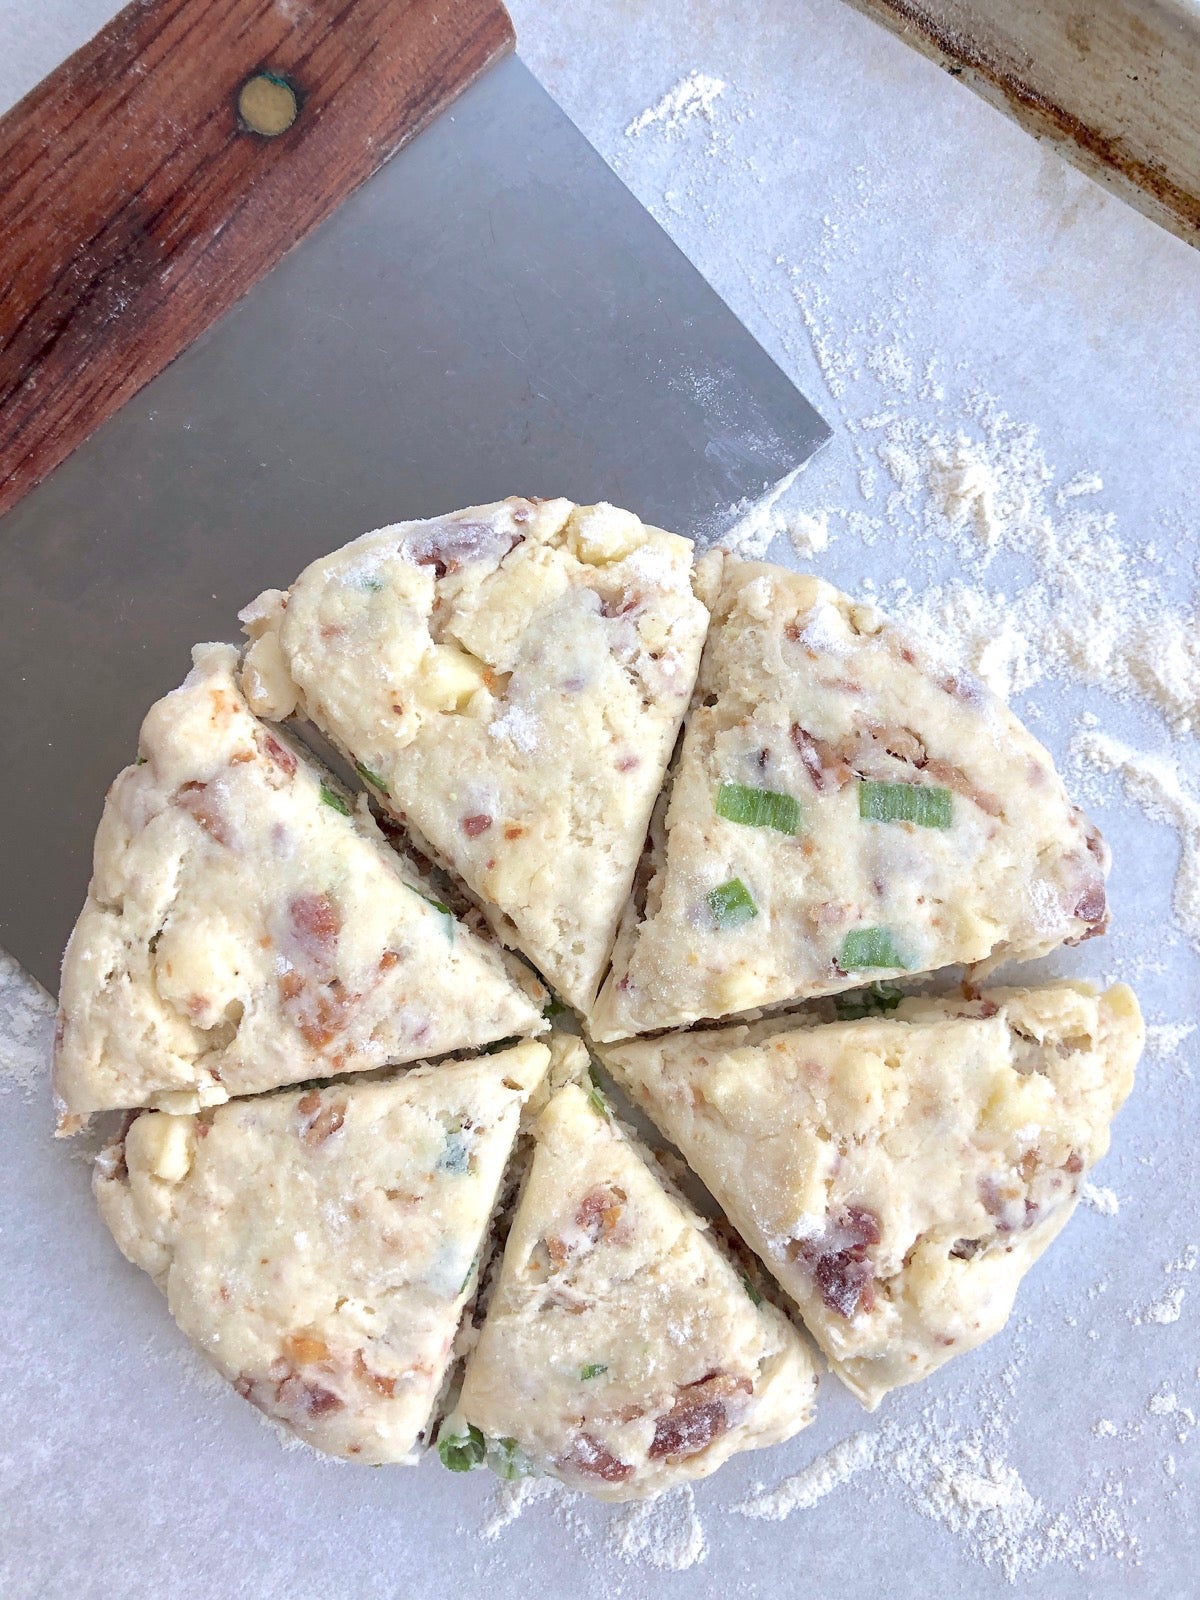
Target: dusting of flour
[(665, 1533), (692, 97)]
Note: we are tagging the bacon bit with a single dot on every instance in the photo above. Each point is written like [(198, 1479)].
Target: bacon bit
[(381, 1385), (319, 1121), (687, 1430), (397, 708), (305, 1349), (474, 826), (194, 798), (240, 757), (332, 630), (1028, 1165), (838, 1260), (279, 754), (316, 923), (284, 1393), (558, 1251), (824, 763), (998, 1201), (514, 830), (388, 960), (907, 656), (588, 1456), (627, 763), (621, 605), (698, 1416), (952, 777), (600, 1210), (1073, 1163), (296, 1395), (964, 689), (902, 743), (1092, 905), (446, 546), (325, 1014)]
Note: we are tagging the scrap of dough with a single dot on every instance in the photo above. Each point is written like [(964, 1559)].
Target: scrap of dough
[(319, 1246), (817, 700), (622, 1351), (244, 929), (511, 677), (899, 1174)]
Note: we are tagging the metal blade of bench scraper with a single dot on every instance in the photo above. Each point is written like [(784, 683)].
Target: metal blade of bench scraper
[(493, 313)]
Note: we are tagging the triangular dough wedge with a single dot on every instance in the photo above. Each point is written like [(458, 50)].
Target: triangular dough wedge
[(841, 809), (898, 1175), (510, 680), (319, 1246), (622, 1351), (244, 929)]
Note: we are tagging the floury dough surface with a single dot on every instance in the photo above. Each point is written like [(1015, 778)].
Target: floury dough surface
[(510, 680), (319, 1246), (823, 704), (244, 929), (900, 1174), (622, 1352)]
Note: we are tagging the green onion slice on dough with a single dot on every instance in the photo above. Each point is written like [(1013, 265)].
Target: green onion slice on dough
[(906, 802), (368, 776), (758, 808), (332, 799), (462, 1451), (731, 904), (869, 947)]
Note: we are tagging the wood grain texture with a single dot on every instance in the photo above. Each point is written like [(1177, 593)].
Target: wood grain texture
[(135, 207), (1115, 86)]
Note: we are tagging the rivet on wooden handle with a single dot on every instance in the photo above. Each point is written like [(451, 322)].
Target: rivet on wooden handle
[(162, 170)]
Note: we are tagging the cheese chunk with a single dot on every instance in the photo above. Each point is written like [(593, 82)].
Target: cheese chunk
[(319, 1246), (898, 1175), (622, 1352), (513, 676), (245, 929), (841, 810)]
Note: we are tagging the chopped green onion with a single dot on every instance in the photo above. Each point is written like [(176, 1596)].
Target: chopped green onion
[(597, 1098), (758, 808), (873, 1001), (594, 1369), (373, 584), (751, 1290), (553, 1008), (869, 947), (508, 1461), (906, 802), (332, 799), (370, 777), (731, 904), (462, 1451), (438, 905), (141, 761), (470, 1272)]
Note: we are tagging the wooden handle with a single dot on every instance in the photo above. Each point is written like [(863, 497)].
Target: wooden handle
[(161, 171), (1115, 87)]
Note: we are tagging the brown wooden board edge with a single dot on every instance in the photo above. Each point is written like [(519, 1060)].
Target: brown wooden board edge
[(1142, 147), (138, 204)]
